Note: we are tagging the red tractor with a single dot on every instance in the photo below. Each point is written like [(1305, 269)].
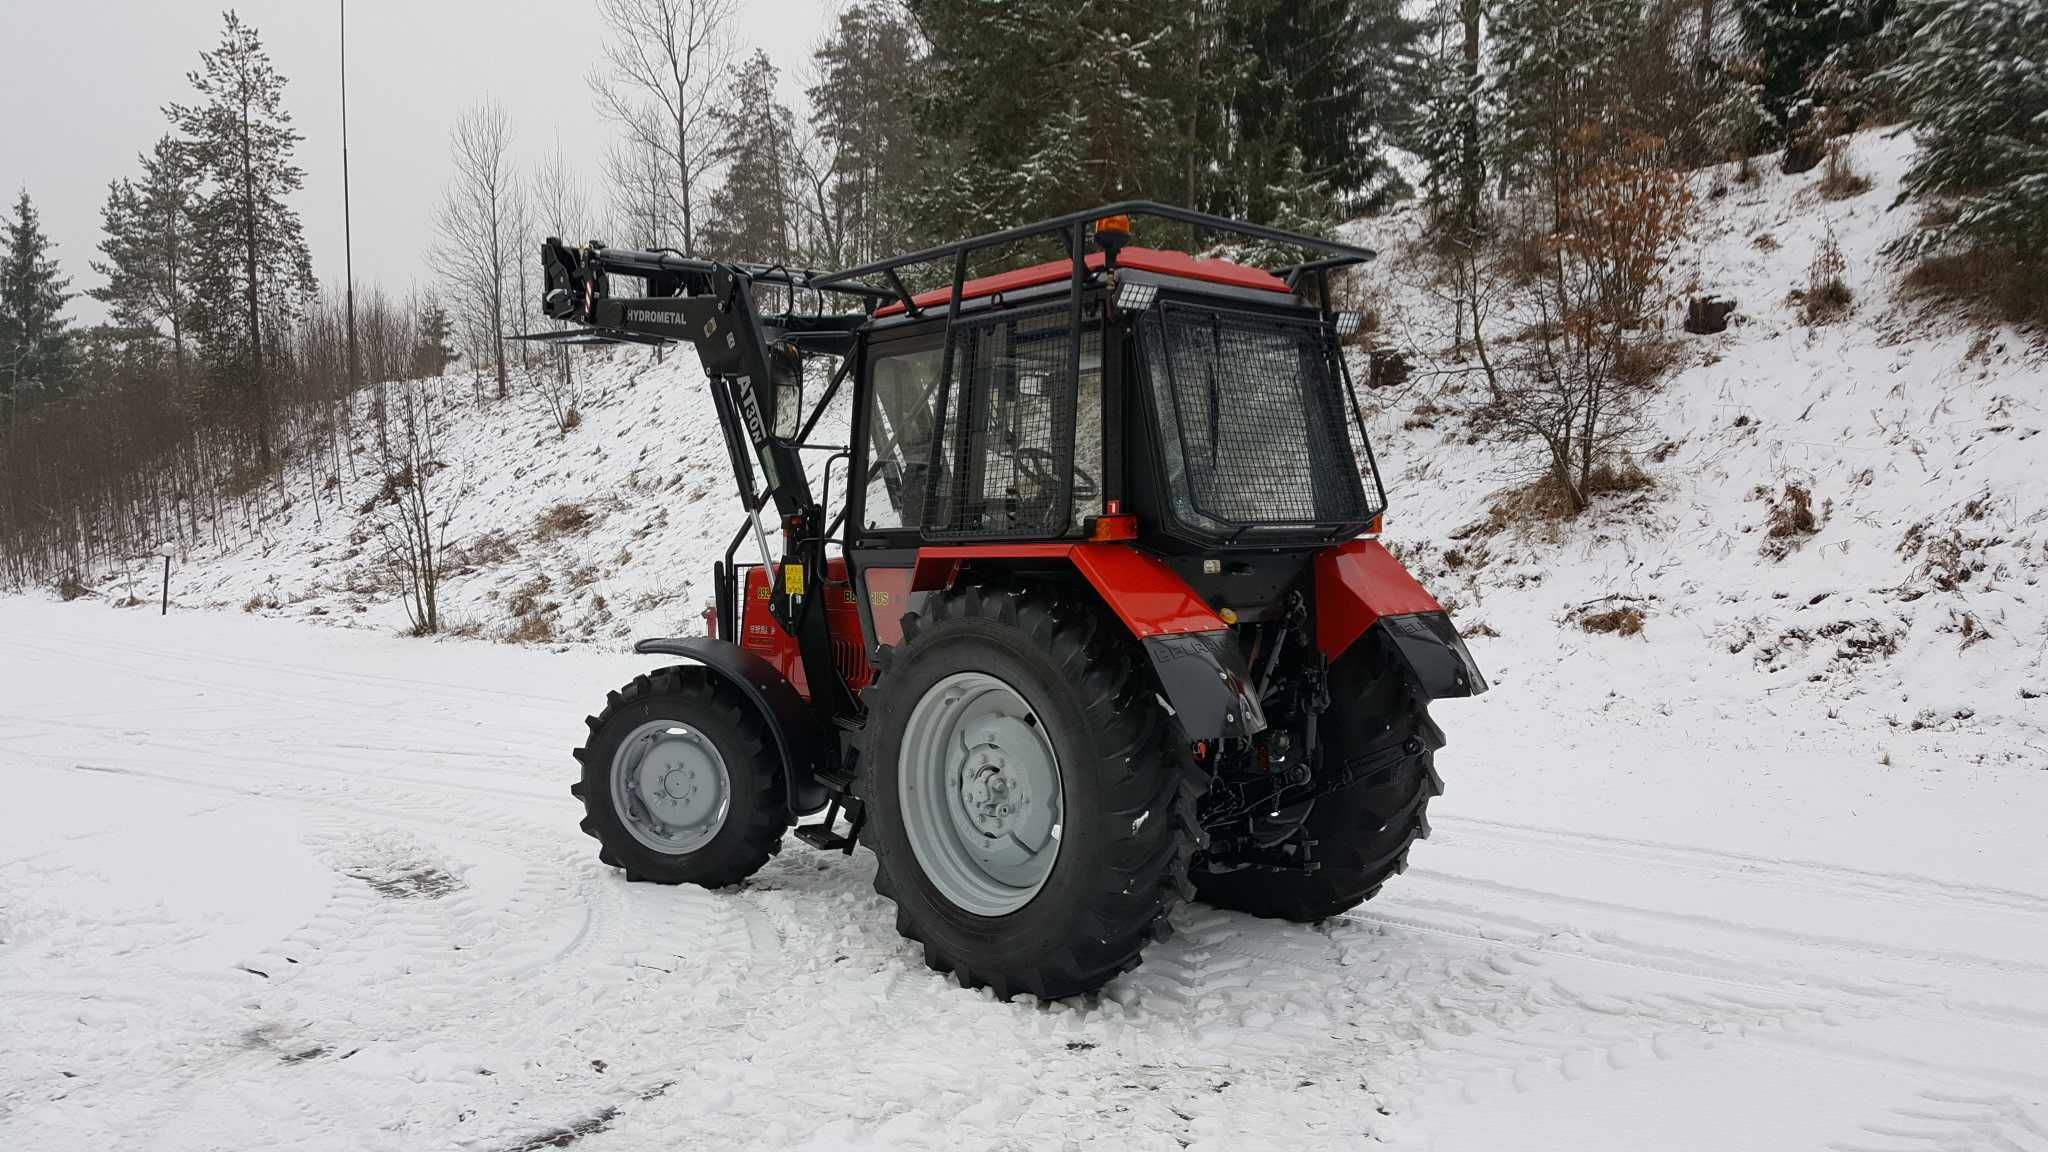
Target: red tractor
[(1098, 623)]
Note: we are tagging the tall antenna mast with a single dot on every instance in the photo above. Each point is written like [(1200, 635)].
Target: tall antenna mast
[(347, 233)]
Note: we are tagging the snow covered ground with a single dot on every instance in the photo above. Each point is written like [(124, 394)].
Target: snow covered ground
[(1770, 874), (269, 885)]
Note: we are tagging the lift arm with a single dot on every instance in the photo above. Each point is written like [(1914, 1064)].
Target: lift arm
[(749, 361)]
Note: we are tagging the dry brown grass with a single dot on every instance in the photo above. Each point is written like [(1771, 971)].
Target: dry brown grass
[(526, 598), (1827, 296), (1985, 283), (1626, 620), (493, 547), (1790, 519), (534, 629), (1839, 180), (566, 518)]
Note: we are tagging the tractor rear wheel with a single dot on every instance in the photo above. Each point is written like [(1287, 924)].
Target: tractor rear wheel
[(1363, 832), (680, 782), (1028, 812)]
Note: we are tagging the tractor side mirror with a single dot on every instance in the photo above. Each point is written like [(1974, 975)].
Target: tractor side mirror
[(789, 396), (789, 405)]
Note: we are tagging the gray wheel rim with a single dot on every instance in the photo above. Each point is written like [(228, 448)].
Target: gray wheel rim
[(979, 786), (670, 787)]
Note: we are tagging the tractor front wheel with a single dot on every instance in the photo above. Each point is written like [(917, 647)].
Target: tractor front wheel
[(1029, 817), (680, 783)]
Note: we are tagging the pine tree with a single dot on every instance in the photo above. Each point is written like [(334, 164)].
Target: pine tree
[(35, 343), (239, 140), (148, 226), (1975, 78), (748, 216), (866, 115)]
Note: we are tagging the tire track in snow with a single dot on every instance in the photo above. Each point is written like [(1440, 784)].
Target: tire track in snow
[(1890, 886), (1952, 1123)]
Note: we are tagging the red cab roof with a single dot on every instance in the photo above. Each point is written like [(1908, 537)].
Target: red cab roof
[(1152, 260)]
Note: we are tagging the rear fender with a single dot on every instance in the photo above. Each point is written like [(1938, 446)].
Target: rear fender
[(791, 723), (1360, 587), (1201, 675)]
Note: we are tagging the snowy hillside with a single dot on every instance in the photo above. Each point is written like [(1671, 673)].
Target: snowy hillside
[(1768, 873), (1916, 440)]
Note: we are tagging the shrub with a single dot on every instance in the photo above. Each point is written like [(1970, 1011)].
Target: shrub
[(563, 519), (1980, 278), (1827, 296), (1626, 620), (1790, 519), (69, 587)]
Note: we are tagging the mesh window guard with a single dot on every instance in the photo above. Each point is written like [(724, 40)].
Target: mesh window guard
[(1253, 420), (1003, 463)]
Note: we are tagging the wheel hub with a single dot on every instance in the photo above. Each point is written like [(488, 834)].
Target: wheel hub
[(993, 797), (981, 794), (671, 786)]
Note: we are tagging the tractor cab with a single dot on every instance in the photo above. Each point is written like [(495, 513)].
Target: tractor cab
[(1094, 616)]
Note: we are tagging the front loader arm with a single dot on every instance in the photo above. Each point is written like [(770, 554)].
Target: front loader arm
[(711, 306)]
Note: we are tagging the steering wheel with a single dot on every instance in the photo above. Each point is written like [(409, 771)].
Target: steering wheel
[(1037, 464)]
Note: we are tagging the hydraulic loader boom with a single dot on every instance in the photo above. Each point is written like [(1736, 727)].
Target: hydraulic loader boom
[(755, 370)]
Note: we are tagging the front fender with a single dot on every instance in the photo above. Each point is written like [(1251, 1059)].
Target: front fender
[(792, 724)]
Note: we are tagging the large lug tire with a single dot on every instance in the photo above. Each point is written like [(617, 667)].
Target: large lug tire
[(681, 784), (1015, 687), (1363, 832)]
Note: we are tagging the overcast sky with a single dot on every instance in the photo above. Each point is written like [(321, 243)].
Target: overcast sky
[(85, 81)]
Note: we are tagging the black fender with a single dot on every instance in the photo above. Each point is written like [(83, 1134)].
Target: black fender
[(1429, 647), (1205, 682), (791, 722)]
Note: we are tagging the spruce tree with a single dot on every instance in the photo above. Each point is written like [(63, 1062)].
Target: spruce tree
[(1560, 85), (1452, 128), (433, 343), (250, 248), (148, 249), (1336, 82), (1792, 40), (35, 341), (1975, 79)]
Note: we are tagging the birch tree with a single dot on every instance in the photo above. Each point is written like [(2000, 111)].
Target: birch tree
[(665, 67), (479, 223)]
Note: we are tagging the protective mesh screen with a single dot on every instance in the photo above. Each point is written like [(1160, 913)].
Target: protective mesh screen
[(1253, 419), (1004, 461)]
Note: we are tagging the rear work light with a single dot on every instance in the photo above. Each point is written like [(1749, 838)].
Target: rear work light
[(1135, 297), (1349, 323)]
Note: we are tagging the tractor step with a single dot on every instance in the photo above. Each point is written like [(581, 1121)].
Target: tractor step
[(824, 835)]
